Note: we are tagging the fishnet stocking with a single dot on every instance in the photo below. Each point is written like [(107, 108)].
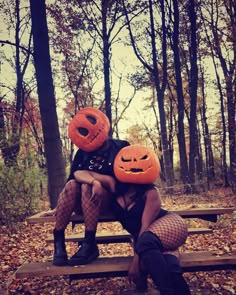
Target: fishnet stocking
[(90, 209), (171, 230), (69, 201)]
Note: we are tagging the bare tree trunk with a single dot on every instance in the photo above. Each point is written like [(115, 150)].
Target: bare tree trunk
[(47, 104), (210, 171), (179, 88), (11, 147), (106, 63), (193, 93), (230, 82), (198, 159), (160, 89), (222, 108), (171, 132), (231, 103)]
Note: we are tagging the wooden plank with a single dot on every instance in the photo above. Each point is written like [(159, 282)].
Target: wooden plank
[(122, 237), (185, 213), (118, 266), (101, 238)]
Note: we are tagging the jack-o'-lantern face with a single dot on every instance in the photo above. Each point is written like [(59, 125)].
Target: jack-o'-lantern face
[(88, 129), (136, 164)]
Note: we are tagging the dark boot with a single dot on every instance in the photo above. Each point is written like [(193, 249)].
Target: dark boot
[(148, 247), (60, 255), (86, 254), (178, 282)]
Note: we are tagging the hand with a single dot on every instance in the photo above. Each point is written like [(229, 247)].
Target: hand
[(134, 270), (97, 192), (48, 213), (111, 184)]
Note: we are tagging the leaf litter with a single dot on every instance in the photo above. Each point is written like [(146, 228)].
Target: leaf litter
[(27, 243)]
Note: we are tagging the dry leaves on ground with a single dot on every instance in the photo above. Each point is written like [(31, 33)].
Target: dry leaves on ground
[(25, 243)]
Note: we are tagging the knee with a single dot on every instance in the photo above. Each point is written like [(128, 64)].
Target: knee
[(147, 241), (72, 187), (72, 184), (85, 187)]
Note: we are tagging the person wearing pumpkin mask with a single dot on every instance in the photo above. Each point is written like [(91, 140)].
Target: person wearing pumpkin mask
[(157, 233), (90, 184)]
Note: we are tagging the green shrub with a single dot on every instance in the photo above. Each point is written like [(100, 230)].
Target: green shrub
[(21, 191)]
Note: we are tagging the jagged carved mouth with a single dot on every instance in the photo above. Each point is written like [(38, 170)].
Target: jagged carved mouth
[(135, 170)]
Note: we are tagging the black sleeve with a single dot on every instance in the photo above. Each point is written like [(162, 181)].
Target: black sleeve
[(75, 164)]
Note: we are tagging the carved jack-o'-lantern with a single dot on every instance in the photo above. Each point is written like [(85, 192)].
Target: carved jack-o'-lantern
[(89, 129), (136, 164)]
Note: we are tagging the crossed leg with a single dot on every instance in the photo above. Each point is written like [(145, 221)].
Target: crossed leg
[(165, 234)]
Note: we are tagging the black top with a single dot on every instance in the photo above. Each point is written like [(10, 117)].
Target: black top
[(131, 219), (91, 161)]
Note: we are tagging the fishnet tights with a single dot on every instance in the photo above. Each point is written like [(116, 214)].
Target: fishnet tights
[(76, 198), (69, 201), (171, 230), (90, 209)]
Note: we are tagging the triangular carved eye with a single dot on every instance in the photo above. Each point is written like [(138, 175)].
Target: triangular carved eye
[(125, 160), (144, 157), (83, 131), (91, 119)]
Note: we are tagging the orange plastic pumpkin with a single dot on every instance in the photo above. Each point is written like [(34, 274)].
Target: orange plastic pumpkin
[(89, 129), (136, 164)]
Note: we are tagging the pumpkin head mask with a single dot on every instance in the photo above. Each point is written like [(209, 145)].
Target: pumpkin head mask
[(136, 164), (88, 129)]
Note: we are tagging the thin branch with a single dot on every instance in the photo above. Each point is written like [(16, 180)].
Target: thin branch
[(137, 53), (14, 44)]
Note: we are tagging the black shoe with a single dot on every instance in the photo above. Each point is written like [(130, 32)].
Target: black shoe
[(60, 255), (85, 254)]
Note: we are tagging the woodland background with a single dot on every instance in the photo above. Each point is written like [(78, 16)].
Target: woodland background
[(163, 72)]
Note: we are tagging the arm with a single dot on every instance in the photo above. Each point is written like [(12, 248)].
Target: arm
[(89, 177), (151, 210)]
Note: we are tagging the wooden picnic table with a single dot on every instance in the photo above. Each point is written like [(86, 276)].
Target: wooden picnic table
[(116, 266), (210, 214)]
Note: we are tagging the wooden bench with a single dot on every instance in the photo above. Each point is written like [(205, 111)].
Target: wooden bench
[(123, 237), (209, 214), (118, 265)]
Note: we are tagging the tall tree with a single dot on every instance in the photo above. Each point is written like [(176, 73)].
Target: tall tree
[(210, 171), (219, 20), (193, 85), (104, 24), (47, 103), (10, 140), (180, 96), (229, 71), (159, 77)]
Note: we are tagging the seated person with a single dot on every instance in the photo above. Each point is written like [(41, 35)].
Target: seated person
[(155, 230), (92, 166)]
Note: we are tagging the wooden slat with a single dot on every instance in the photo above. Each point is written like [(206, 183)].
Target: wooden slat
[(118, 266), (123, 237), (206, 213), (101, 238)]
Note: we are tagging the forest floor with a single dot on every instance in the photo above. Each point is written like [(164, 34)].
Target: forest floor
[(25, 243)]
